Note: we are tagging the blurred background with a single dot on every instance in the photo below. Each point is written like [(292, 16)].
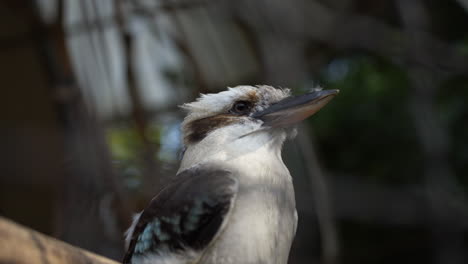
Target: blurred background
[(89, 126)]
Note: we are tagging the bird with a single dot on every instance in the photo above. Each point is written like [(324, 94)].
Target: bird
[(232, 199)]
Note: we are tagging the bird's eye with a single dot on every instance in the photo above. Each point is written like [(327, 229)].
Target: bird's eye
[(241, 107)]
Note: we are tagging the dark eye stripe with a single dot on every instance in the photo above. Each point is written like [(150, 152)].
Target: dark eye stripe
[(198, 129)]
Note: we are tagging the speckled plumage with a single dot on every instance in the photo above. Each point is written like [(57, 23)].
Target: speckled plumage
[(185, 216)]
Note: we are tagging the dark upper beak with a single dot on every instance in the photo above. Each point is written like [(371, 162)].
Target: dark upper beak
[(294, 109)]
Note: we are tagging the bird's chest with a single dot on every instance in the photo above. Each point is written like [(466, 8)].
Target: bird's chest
[(261, 227)]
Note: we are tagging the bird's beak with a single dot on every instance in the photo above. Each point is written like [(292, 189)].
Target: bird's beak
[(294, 109)]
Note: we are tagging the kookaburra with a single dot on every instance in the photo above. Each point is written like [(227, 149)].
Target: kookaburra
[(232, 200)]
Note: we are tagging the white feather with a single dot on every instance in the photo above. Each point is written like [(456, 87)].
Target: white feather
[(212, 104), (261, 225), (129, 233)]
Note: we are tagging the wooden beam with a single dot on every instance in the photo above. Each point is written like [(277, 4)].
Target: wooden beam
[(21, 245)]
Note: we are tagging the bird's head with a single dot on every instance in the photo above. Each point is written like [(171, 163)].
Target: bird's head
[(247, 111)]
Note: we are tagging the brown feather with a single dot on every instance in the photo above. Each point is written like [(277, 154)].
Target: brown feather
[(198, 129)]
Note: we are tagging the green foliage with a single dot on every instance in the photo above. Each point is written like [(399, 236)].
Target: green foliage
[(367, 129), (126, 148), (124, 143)]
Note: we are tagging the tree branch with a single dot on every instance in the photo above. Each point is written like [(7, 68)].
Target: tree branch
[(20, 245)]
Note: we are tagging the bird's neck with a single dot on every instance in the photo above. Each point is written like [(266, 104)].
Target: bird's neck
[(254, 155)]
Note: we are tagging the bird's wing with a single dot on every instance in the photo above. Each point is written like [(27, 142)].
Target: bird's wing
[(184, 217)]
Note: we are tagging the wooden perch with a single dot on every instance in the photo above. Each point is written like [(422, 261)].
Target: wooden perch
[(19, 245)]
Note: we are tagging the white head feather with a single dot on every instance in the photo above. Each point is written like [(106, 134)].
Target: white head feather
[(217, 103)]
